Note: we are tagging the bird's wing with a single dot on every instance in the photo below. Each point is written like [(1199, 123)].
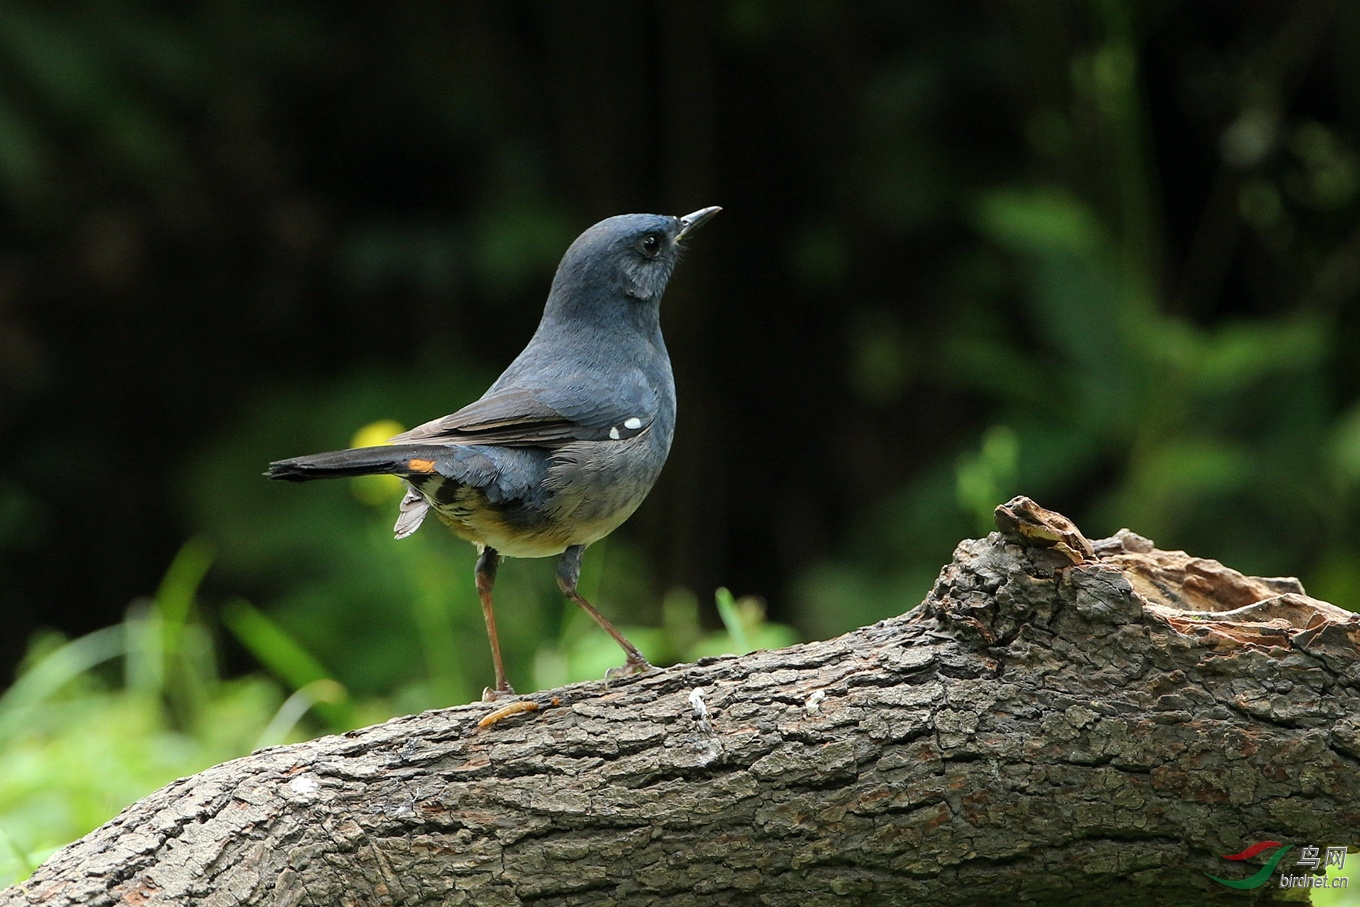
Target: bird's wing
[(545, 417)]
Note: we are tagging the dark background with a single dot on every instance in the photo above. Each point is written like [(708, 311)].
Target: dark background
[(1105, 254)]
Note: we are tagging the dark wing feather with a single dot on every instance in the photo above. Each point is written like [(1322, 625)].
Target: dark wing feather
[(543, 417), (512, 416)]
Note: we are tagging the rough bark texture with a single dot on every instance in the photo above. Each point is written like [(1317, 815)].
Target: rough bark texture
[(1047, 725)]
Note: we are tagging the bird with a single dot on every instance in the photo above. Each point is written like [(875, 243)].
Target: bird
[(567, 442)]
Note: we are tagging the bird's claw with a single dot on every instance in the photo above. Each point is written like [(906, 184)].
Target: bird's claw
[(490, 694), (628, 669)]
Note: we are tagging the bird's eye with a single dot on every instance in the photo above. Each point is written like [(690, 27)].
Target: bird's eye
[(651, 245)]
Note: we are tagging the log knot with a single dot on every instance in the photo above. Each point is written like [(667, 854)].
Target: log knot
[(1039, 571)]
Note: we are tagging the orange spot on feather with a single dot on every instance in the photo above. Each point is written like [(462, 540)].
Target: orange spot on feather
[(418, 465)]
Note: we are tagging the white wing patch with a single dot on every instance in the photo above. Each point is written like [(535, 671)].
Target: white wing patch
[(630, 427)]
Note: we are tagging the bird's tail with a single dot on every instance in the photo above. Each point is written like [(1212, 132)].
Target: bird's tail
[(403, 460)]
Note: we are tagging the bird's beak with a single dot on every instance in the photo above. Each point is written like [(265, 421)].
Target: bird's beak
[(691, 222)]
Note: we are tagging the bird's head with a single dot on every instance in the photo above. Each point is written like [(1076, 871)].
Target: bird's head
[(631, 254)]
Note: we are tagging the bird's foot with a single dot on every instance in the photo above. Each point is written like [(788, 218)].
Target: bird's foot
[(630, 667), (490, 694)]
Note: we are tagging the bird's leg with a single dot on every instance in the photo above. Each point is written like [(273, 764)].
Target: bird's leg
[(568, 573), (487, 562)]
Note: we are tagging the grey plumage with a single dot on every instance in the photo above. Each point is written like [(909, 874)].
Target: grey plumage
[(565, 445)]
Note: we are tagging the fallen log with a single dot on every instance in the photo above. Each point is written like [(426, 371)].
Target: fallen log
[(1059, 721)]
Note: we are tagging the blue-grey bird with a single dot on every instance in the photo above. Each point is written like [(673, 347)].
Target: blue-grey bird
[(567, 442)]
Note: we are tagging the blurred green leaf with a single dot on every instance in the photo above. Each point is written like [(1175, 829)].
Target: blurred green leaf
[(732, 621), (1039, 221), (52, 671), (283, 655), (988, 477), (1345, 446), (746, 629)]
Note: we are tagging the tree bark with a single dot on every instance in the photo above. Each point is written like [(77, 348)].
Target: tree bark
[(1051, 724)]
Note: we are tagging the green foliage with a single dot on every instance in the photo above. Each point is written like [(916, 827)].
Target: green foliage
[(288, 660), (984, 478), (1337, 897), (143, 700)]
